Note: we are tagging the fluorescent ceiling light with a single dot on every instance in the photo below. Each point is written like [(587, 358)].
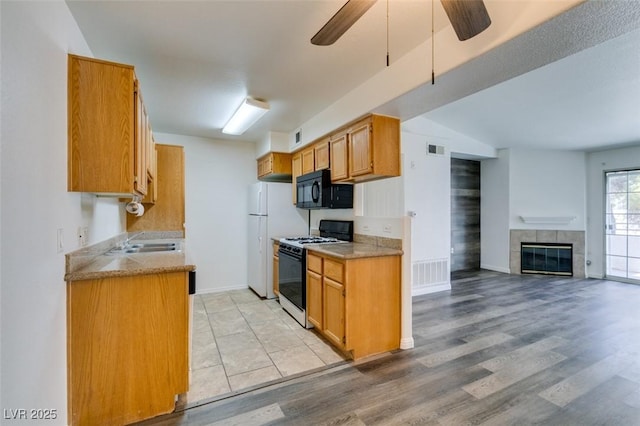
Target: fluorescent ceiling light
[(248, 113)]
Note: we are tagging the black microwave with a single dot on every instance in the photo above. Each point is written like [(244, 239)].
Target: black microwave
[(315, 191)]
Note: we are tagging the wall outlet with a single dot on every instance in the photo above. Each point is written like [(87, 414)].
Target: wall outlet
[(387, 229), (366, 228), (82, 236)]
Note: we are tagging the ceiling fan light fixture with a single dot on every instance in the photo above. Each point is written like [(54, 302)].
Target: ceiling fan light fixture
[(468, 17), (250, 111), (339, 23)]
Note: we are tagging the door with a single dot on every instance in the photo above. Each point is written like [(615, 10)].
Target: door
[(465, 215), (622, 224)]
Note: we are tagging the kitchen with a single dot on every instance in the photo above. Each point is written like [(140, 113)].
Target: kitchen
[(33, 298)]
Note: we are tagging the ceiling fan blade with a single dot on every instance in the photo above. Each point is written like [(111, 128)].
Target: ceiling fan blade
[(341, 22), (468, 17)]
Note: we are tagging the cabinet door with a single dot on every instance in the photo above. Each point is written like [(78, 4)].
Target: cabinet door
[(139, 153), (101, 126), (308, 162), (339, 158), (321, 154), (127, 359), (296, 170), (167, 214), (360, 161), (314, 299), (334, 311)]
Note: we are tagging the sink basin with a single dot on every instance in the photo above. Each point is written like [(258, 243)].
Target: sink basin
[(157, 246), (141, 247)]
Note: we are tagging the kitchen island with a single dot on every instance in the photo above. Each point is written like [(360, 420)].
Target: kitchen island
[(128, 320), (353, 296)]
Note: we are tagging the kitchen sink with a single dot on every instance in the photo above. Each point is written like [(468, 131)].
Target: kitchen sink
[(156, 246), (141, 247)]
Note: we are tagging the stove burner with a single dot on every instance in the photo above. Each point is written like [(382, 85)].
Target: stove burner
[(310, 239)]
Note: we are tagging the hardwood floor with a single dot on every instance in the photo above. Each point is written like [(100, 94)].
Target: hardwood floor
[(496, 350)]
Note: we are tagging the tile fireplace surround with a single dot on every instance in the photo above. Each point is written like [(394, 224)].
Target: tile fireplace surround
[(576, 238)]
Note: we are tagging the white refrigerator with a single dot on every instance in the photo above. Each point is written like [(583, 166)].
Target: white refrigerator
[(271, 214)]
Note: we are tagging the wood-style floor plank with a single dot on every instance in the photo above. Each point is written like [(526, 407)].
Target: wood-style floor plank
[(497, 349)]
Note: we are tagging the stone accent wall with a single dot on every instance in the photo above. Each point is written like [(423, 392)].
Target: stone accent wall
[(577, 238)]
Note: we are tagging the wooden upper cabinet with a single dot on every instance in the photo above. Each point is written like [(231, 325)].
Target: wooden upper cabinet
[(106, 140), (372, 152), (275, 167), (339, 158), (167, 214), (360, 161), (321, 154), (308, 161), (141, 151), (152, 175), (296, 170)]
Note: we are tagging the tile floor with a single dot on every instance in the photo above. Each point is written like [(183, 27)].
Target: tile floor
[(240, 341)]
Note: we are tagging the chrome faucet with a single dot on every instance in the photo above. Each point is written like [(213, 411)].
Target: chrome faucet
[(126, 242)]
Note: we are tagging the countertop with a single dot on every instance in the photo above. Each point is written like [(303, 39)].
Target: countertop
[(352, 250), (94, 263)]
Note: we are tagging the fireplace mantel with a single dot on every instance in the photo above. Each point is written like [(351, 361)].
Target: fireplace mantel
[(548, 220)]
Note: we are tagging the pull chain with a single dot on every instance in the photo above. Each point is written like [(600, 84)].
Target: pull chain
[(433, 46), (387, 32)]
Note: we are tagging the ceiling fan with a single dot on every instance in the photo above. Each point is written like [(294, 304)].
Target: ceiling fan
[(468, 18)]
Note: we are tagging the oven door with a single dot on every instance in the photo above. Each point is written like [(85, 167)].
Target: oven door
[(292, 279)]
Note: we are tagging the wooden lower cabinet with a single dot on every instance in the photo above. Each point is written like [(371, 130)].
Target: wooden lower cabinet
[(314, 297), (333, 309), (355, 303), (127, 347)]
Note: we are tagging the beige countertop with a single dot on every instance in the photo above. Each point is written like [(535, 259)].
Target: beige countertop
[(352, 250), (95, 263)]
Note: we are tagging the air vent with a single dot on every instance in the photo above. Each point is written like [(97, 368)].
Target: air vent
[(435, 149), (298, 136)]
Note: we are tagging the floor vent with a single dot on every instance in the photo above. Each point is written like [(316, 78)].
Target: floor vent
[(429, 274)]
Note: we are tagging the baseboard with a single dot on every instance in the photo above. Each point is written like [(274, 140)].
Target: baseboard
[(407, 343), (220, 289), (430, 289), (495, 268)]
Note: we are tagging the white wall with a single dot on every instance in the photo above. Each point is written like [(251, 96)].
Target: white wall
[(217, 177), (494, 213), (598, 164), (547, 183), (427, 192), (524, 182), (36, 37)]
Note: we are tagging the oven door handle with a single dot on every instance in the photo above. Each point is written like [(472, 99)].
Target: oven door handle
[(284, 253)]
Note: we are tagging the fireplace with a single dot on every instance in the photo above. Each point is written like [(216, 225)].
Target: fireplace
[(546, 258), (549, 238)]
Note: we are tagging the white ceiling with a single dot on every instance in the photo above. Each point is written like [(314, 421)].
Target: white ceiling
[(197, 60)]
